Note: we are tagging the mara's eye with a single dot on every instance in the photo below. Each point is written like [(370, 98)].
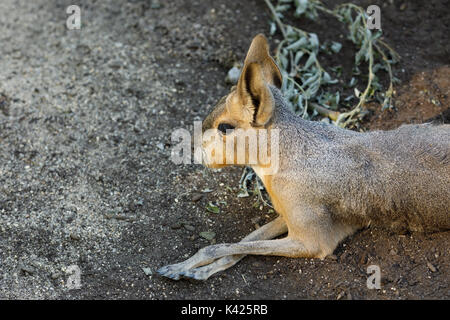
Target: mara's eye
[(223, 127)]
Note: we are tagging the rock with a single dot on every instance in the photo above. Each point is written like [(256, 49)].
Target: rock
[(26, 269), (196, 197), (189, 227), (431, 267), (147, 271), (75, 236), (233, 75), (194, 45), (176, 225), (256, 220), (115, 64), (155, 4)]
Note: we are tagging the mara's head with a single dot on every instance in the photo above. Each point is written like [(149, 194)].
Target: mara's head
[(233, 133)]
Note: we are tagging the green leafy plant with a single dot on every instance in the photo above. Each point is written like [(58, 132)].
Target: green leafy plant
[(306, 82)]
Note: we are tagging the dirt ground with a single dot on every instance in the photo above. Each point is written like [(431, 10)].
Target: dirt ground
[(86, 118)]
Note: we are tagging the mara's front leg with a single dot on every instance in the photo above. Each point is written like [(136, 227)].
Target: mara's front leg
[(288, 247), (190, 269), (312, 233), (269, 231)]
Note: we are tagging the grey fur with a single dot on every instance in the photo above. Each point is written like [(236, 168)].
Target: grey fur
[(398, 179)]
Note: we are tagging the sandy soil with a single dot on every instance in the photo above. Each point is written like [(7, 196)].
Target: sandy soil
[(85, 136)]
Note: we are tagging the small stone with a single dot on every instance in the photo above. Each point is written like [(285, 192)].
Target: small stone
[(431, 267), (194, 45), (55, 275), (332, 257), (155, 4), (196, 197), (75, 236), (176, 225), (256, 220), (160, 146), (147, 271), (233, 75), (189, 227), (27, 269), (393, 252), (115, 64)]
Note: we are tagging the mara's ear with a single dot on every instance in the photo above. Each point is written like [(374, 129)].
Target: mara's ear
[(258, 72), (255, 95), (259, 53)]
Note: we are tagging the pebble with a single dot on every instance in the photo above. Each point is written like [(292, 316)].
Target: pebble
[(55, 275), (115, 64), (393, 252), (75, 236), (155, 4), (431, 267), (233, 75), (189, 227), (27, 269), (160, 146), (147, 271), (176, 225), (196, 197)]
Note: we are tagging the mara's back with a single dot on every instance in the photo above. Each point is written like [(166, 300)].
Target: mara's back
[(399, 179), (408, 183)]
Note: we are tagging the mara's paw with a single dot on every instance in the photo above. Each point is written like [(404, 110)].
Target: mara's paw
[(196, 274), (172, 271)]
